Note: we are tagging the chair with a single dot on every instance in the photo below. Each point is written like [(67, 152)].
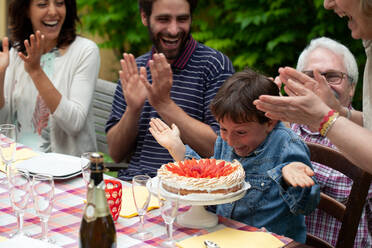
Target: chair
[(102, 101), (349, 213)]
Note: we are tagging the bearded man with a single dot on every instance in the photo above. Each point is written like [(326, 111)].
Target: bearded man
[(175, 81)]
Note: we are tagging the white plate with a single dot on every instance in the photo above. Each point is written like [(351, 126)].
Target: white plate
[(66, 176), (60, 166)]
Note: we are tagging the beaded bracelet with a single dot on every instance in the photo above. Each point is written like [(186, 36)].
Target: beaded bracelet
[(331, 119), (325, 119)]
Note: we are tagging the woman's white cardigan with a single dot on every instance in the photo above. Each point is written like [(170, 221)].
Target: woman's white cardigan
[(75, 76)]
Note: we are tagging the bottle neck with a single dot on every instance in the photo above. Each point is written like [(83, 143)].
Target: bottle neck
[(97, 205), (97, 177), (96, 172)]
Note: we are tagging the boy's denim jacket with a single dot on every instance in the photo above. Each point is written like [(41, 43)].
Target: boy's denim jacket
[(269, 202)]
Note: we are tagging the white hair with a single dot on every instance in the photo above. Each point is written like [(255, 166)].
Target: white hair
[(335, 47)]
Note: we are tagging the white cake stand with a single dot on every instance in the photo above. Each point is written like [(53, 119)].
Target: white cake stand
[(197, 216)]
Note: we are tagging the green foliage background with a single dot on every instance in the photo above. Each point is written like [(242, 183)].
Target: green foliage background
[(261, 34)]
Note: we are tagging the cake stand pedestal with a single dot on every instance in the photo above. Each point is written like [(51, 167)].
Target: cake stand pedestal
[(197, 216)]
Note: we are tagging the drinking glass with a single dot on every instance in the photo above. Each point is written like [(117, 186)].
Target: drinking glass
[(169, 210), (19, 193), (141, 196), (8, 144), (85, 166), (43, 194)]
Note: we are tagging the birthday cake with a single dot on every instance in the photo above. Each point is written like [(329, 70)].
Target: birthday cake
[(202, 176)]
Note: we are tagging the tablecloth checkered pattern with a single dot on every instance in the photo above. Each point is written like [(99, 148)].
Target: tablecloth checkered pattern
[(64, 222)]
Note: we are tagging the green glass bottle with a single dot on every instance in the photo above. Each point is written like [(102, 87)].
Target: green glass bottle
[(97, 227)]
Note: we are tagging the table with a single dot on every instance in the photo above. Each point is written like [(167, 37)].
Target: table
[(67, 213)]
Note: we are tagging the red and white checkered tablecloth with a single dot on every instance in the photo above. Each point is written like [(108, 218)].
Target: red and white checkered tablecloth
[(64, 222)]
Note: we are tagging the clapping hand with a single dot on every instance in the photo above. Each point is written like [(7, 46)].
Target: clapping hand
[(164, 135), (158, 92), (4, 55), (318, 85), (298, 174), (34, 50), (168, 137), (302, 106), (133, 89)]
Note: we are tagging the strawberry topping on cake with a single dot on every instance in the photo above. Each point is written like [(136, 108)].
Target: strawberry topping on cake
[(206, 168)]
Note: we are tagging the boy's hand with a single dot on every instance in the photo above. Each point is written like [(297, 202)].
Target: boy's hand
[(168, 138), (297, 174)]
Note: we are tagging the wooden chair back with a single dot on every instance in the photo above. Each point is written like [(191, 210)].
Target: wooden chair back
[(102, 101), (349, 213)]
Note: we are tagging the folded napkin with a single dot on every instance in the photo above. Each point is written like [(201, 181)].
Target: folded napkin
[(128, 208), (23, 241), (21, 153), (232, 238)]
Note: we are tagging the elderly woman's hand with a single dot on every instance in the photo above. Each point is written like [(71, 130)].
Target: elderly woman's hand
[(318, 85), (301, 106), (278, 82)]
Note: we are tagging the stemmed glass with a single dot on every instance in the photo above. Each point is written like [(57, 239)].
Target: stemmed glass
[(19, 192), (141, 196), (43, 194), (8, 144), (85, 166), (169, 210)]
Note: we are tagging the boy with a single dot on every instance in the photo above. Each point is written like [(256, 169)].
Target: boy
[(274, 158)]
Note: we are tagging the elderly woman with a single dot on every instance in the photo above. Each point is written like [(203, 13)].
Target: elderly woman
[(48, 78), (319, 109)]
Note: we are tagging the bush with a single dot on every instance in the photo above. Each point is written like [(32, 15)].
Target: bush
[(261, 34)]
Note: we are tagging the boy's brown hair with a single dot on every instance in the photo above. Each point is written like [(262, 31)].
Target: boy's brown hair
[(234, 100)]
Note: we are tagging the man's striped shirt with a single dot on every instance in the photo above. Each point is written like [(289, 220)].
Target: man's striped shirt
[(197, 75)]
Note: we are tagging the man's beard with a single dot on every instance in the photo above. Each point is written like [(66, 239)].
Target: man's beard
[(172, 54)]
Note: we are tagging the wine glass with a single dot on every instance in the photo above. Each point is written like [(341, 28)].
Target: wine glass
[(85, 166), (8, 144), (19, 193), (43, 194), (169, 210), (141, 196)]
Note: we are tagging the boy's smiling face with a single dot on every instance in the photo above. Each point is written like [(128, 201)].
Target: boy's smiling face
[(245, 137)]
